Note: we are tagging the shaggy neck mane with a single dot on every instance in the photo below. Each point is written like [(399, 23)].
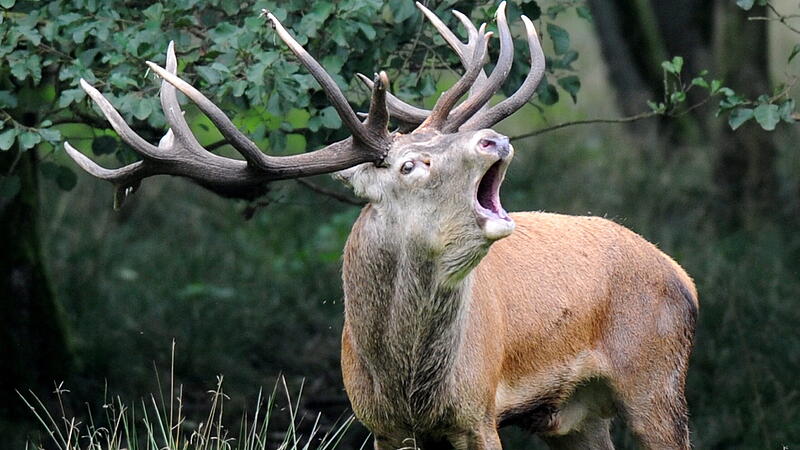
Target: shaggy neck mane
[(406, 312)]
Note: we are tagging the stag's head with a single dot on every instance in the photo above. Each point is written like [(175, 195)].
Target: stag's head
[(439, 188), (440, 183), (437, 177)]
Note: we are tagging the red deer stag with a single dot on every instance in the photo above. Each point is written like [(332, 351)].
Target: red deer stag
[(454, 325)]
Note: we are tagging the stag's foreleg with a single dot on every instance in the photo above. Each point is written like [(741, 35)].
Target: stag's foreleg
[(593, 434)]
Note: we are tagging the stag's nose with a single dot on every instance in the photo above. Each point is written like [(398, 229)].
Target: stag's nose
[(496, 144)]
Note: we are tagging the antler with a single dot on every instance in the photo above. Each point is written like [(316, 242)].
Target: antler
[(466, 116), (179, 152)]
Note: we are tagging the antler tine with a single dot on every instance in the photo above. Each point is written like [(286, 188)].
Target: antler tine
[(236, 138), (449, 98), (411, 116), (335, 95), (481, 95), (407, 115), (121, 176), (172, 110), (126, 179), (378, 116), (523, 94), (118, 123)]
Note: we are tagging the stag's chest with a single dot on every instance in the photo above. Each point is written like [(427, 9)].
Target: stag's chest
[(392, 396)]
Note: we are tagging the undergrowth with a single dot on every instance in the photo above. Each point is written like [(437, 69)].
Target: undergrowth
[(159, 423)]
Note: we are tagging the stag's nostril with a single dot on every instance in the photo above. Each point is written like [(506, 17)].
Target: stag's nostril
[(499, 145)]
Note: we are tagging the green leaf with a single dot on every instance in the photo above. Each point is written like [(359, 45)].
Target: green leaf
[(8, 99), (7, 138), (786, 111), (571, 84), (210, 75), (531, 9), (739, 116), (675, 66), (7, 4), (677, 62), (584, 13), (560, 38), (154, 12), (402, 10), (104, 145), (555, 10), (297, 118), (143, 109), (715, 86), (547, 93), (367, 29), (219, 67), (9, 186), (658, 108), (19, 69), (50, 134), (745, 4), (238, 88), (70, 95), (677, 97), (28, 139), (700, 81), (330, 118), (767, 116), (333, 63), (795, 51)]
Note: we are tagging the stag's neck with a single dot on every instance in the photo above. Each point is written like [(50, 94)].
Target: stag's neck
[(405, 311)]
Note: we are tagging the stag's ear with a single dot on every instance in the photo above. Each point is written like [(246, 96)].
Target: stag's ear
[(362, 179)]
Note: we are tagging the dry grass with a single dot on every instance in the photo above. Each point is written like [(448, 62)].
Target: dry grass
[(159, 423)]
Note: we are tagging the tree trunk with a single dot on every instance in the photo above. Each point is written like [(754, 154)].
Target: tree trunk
[(744, 169), (635, 37), (33, 345)]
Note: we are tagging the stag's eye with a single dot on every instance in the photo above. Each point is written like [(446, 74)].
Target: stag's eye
[(407, 167)]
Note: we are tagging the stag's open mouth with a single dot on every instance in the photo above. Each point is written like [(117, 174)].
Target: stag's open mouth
[(491, 216), (488, 194)]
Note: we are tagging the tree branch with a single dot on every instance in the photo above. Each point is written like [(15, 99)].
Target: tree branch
[(338, 196), (634, 118)]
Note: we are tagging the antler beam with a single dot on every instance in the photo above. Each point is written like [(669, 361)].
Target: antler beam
[(179, 152)]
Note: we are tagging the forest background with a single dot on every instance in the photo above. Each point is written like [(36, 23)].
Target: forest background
[(674, 118)]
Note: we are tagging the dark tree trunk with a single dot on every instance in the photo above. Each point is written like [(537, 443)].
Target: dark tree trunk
[(622, 46), (745, 164), (635, 37), (34, 350)]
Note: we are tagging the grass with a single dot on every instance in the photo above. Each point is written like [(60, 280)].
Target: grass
[(160, 423)]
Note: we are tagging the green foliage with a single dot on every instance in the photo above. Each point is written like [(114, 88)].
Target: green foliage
[(768, 111), (228, 51)]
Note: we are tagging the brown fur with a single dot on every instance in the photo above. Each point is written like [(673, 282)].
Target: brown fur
[(561, 325)]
